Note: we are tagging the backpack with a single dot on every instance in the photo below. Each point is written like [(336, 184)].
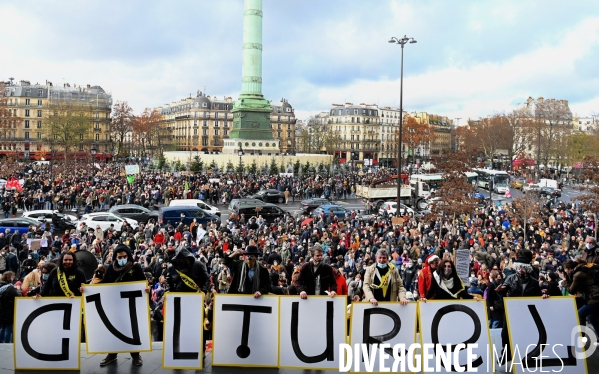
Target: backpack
[(2, 263)]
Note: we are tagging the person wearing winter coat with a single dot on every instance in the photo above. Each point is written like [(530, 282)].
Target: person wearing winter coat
[(8, 293)]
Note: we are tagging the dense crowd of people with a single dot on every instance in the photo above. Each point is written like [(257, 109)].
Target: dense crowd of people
[(361, 257)]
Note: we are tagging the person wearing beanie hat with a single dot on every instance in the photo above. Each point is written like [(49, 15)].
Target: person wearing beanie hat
[(123, 269), (523, 283)]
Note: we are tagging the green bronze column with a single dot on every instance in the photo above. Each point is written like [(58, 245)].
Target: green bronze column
[(251, 112)]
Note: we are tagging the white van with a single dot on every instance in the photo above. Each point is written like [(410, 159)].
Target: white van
[(543, 182), (195, 202)]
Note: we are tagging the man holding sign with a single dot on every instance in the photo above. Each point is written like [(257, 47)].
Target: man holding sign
[(123, 269), (382, 281)]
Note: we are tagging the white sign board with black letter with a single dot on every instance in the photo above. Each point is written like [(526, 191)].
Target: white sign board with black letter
[(117, 318), (47, 333), (545, 332), (455, 322), (245, 331), (311, 331), (387, 323), (183, 330)]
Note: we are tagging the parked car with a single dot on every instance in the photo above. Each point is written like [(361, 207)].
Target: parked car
[(270, 196), (185, 214), (46, 215), (269, 212), (324, 210), (196, 202), (135, 212), (244, 201), (309, 205), (20, 224), (104, 220), (391, 208)]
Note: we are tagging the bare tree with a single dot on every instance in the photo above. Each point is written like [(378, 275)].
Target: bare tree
[(121, 123), (67, 124), (8, 118), (147, 130), (589, 200), (527, 208)]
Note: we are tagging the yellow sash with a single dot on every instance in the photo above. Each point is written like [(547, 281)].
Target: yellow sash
[(384, 280), (64, 286), (189, 282)]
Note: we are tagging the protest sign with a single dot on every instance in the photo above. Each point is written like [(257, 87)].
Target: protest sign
[(455, 322), (544, 333), (117, 318), (462, 265), (37, 347), (388, 323), (312, 331), (246, 331), (183, 330)]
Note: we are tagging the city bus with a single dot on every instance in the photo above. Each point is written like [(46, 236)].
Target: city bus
[(500, 179), (434, 181)]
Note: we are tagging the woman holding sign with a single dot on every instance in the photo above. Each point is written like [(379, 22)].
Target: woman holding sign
[(446, 284), (123, 269)]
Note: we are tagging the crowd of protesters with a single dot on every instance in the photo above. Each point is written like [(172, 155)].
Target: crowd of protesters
[(361, 257)]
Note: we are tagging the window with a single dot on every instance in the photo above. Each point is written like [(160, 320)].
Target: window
[(215, 123), (26, 134), (216, 114), (40, 93), (216, 132), (39, 135), (39, 113), (39, 124), (226, 124), (205, 123), (205, 132), (204, 141), (195, 131), (26, 112), (226, 132), (98, 125), (97, 115), (97, 137), (279, 126), (204, 106), (26, 123), (27, 102), (226, 116), (279, 134)]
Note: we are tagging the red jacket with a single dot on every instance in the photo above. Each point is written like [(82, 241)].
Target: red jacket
[(425, 280), (159, 238), (341, 284)]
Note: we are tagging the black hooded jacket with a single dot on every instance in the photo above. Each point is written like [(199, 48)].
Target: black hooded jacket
[(75, 278), (131, 272), (197, 272)]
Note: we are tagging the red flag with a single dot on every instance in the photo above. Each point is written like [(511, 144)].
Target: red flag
[(14, 183)]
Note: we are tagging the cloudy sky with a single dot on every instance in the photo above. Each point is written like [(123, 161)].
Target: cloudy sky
[(473, 58)]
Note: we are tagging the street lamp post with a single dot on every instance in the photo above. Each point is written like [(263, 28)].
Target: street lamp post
[(93, 153), (402, 41), (240, 153)]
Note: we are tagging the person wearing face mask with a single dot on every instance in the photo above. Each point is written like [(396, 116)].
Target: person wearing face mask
[(249, 276), (446, 284), (382, 281), (34, 279), (522, 283), (123, 269), (408, 276), (591, 251), (28, 266)]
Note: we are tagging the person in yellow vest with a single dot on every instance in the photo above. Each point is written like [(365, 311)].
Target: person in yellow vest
[(382, 281)]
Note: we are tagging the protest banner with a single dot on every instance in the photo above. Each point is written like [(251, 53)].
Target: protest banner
[(396, 221), (455, 322), (245, 331), (388, 323), (309, 342), (132, 169), (462, 265), (183, 331), (117, 318), (544, 333), (47, 333)]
